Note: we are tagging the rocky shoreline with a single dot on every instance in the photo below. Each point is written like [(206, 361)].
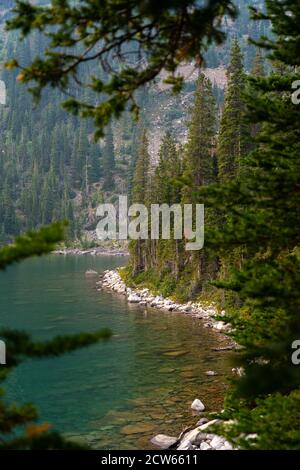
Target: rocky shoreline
[(97, 251), (193, 438), (113, 281), (198, 438)]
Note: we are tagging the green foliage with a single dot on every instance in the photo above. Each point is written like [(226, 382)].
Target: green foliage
[(162, 34), (256, 236), (20, 346), (109, 163), (168, 285), (272, 424), (147, 278), (262, 211), (201, 139), (195, 165), (142, 168), (47, 157), (233, 143), (32, 243), (252, 237), (168, 170), (17, 423)]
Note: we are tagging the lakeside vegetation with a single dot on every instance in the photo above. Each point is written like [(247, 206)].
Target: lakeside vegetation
[(244, 166)]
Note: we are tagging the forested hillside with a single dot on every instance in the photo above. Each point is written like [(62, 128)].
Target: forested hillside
[(50, 166), (215, 152), (229, 140)]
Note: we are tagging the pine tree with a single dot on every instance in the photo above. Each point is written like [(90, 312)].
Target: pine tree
[(49, 203), (142, 171), (199, 172), (263, 209), (258, 69), (133, 158), (178, 32), (94, 168), (108, 161), (169, 169), (234, 141), (140, 195), (9, 218), (200, 146), (163, 256), (78, 158)]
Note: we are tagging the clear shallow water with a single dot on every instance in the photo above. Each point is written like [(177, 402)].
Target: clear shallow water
[(116, 394)]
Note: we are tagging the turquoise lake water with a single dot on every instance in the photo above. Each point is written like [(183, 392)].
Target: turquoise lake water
[(115, 394)]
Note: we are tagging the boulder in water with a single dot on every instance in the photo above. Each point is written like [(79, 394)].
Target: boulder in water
[(197, 405), (91, 272), (163, 441)]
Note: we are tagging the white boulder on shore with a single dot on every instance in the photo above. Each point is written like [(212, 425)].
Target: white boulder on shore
[(134, 298), (194, 439)]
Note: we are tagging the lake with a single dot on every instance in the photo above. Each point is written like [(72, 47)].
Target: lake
[(115, 394)]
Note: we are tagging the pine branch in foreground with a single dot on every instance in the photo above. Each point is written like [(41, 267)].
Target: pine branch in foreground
[(17, 422)]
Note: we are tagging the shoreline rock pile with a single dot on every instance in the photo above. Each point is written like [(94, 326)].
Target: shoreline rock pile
[(97, 251), (198, 438), (113, 281)]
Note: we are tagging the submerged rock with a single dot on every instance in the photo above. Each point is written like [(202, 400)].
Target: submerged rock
[(137, 429), (175, 353), (91, 272), (163, 441), (211, 373)]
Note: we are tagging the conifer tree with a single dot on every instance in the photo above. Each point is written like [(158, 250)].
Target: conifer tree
[(202, 129), (199, 171), (94, 168), (142, 171), (49, 203), (169, 169), (166, 34), (164, 256), (9, 218), (258, 69), (233, 144), (133, 158), (140, 195), (108, 161), (263, 209)]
